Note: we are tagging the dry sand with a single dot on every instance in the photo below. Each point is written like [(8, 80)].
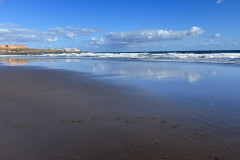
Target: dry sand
[(59, 115)]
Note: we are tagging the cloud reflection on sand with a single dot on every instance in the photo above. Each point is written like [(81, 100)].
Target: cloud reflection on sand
[(145, 71), (123, 68)]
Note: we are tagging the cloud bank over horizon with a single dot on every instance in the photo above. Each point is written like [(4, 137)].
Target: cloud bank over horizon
[(11, 33), (127, 38), (18, 35), (10, 25), (141, 37)]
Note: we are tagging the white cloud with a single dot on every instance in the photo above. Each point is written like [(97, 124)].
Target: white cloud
[(233, 43), (207, 43), (12, 35), (212, 43), (24, 35), (71, 32), (10, 25), (216, 36), (219, 1), (140, 37)]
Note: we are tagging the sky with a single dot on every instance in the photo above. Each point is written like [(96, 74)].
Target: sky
[(121, 25)]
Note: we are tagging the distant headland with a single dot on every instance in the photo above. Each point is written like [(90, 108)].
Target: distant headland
[(23, 50)]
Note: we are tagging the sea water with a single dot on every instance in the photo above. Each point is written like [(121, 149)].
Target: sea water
[(227, 56)]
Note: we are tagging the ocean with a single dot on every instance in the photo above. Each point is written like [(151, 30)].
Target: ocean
[(216, 56)]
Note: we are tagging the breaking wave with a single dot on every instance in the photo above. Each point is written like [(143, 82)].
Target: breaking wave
[(194, 56)]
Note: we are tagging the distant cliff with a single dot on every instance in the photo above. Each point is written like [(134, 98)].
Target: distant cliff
[(26, 51), (9, 47), (23, 50)]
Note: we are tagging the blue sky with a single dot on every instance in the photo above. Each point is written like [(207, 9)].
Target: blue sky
[(121, 25)]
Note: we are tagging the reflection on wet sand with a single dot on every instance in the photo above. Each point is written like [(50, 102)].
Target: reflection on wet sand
[(146, 71), (48, 114), (14, 61), (22, 61), (54, 114), (126, 69)]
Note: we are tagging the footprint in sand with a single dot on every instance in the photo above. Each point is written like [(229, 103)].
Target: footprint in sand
[(204, 141), (221, 149), (118, 118), (134, 144), (138, 117), (196, 132), (181, 156), (64, 121), (213, 157), (77, 121), (163, 122), (127, 121), (175, 126), (18, 126), (93, 118), (75, 158)]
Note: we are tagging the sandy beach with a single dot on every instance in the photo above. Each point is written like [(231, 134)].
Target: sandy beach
[(60, 115), (119, 80)]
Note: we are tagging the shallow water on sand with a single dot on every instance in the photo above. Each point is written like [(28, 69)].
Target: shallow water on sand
[(214, 85), (208, 87), (206, 95)]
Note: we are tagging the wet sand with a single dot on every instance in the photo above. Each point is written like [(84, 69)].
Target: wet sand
[(61, 115)]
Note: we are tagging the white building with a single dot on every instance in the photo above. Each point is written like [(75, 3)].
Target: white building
[(71, 50)]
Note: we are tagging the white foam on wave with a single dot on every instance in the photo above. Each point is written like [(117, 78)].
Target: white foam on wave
[(170, 56), (12, 56), (197, 56), (150, 56), (117, 55), (100, 55)]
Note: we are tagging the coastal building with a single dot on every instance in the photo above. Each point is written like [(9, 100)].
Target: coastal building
[(7, 47), (71, 50)]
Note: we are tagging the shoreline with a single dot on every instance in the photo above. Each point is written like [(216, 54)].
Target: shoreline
[(58, 114), (219, 58), (37, 53)]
